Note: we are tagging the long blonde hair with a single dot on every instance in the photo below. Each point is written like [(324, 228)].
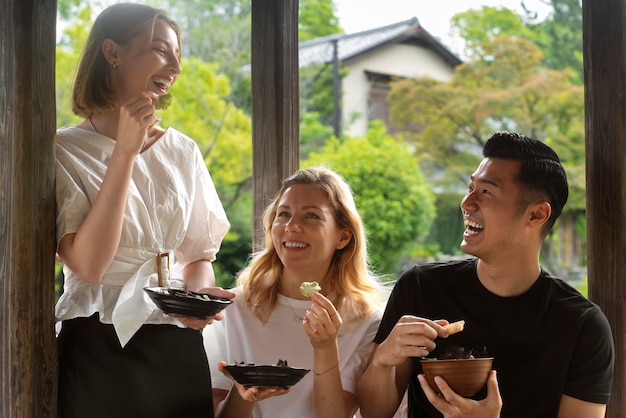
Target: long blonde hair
[(350, 283)]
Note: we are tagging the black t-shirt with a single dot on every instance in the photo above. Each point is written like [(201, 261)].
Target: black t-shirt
[(546, 342)]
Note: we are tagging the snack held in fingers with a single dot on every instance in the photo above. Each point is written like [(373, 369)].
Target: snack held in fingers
[(455, 327), (165, 101), (306, 288)]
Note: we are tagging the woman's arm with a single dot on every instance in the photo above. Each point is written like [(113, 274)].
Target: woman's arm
[(90, 251), (322, 323), (198, 275)]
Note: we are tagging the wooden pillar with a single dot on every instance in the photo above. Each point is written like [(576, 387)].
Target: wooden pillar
[(604, 50), (27, 125), (275, 101)]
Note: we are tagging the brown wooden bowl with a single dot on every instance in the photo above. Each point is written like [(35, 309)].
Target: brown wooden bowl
[(464, 376)]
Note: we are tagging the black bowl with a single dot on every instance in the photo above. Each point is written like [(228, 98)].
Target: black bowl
[(266, 376), (186, 303)]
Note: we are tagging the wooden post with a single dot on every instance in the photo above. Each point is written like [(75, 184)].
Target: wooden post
[(275, 102), (27, 126), (604, 34)]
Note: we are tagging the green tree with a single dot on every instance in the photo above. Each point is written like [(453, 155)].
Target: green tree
[(559, 35), (562, 44), (317, 18), (487, 23), (202, 110), (391, 193), (68, 51)]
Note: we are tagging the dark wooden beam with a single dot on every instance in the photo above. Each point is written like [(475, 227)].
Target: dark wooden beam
[(604, 34), (28, 359), (275, 101)]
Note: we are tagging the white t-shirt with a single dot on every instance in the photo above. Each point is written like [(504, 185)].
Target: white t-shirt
[(241, 336), (172, 206)]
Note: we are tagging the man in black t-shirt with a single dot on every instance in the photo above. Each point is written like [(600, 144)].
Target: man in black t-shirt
[(553, 350)]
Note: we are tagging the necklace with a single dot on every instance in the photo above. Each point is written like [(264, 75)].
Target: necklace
[(92, 125), (296, 317), (143, 146)]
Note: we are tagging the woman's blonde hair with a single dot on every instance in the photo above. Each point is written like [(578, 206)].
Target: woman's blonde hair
[(120, 22), (349, 283)]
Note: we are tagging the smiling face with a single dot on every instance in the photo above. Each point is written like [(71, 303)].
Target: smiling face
[(305, 232), (150, 62), (494, 224)]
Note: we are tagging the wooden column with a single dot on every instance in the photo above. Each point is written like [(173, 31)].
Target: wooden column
[(604, 34), (275, 101), (27, 125)]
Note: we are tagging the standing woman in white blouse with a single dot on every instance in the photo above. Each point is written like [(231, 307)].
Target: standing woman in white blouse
[(128, 192)]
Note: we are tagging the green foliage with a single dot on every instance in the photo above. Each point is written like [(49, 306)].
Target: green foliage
[(448, 226), (487, 23), (67, 8), (316, 105), (67, 55), (559, 35), (202, 110), (316, 18), (563, 40), (224, 133), (313, 133), (391, 194)]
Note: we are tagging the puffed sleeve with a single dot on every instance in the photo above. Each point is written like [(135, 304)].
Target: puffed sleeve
[(208, 223), (72, 201)]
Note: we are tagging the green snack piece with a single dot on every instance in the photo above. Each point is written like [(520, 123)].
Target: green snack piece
[(306, 288), (165, 101)]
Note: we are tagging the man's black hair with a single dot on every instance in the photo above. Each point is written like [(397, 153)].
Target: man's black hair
[(541, 175)]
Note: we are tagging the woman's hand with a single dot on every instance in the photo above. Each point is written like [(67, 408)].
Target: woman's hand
[(322, 322), (253, 393), (199, 324), (136, 118)]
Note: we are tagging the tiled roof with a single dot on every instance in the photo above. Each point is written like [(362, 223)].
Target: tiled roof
[(349, 46)]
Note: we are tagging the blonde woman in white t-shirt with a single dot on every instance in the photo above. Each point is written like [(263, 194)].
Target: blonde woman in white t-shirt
[(313, 232)]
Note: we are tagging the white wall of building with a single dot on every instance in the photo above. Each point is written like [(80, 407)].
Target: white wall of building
[(399, 60)]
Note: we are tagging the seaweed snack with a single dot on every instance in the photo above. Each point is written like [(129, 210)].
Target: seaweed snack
[(165, 101), (455, 352), (306, 288)]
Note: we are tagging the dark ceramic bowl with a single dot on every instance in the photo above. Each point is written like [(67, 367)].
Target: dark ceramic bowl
[(186, 303), (266, 376), (464, 376)]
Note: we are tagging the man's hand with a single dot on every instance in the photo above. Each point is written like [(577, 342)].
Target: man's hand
[(452, 405), (410, 337)]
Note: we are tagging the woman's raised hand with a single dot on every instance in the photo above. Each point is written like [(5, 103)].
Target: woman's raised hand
[(322, 321)]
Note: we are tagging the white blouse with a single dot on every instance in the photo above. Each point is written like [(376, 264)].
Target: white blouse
[(172, 206)]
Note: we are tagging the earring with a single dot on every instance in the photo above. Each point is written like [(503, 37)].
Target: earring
[(114, 66)]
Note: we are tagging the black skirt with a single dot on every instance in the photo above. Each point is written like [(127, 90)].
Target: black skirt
[(161, 373)]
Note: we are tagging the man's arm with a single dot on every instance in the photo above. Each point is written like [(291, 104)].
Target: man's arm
[(380, 388), (576, 408)]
